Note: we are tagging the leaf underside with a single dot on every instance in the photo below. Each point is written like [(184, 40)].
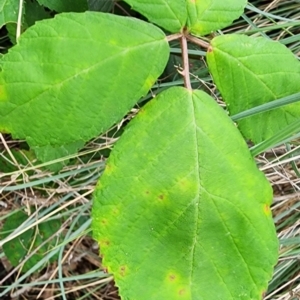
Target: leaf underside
[(82, 77), (252, 71), (183, 207)]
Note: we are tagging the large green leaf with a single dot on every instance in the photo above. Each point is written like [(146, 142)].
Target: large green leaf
[(8, 11), (182, 206), (170, 15), (251, 71), (72, 77), (206, 16)]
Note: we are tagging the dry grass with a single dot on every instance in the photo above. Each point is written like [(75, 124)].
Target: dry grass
[(79, 257)]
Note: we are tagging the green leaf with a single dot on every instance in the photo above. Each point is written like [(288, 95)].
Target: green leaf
[(35, 12), (22, 157), (170, 15), (65, 5), (252, 71), (76, 83), (207, 16), (100, 5), (52, 153), (21, 246), (182, 206), (8, 11)]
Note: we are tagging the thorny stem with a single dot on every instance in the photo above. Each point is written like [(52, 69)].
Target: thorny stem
[(185, 59)]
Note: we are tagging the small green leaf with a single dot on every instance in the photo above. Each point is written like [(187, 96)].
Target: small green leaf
[(207, 16), (35, 12), (182, 206), (8, 11), (170, 15), (76, 83), (21, 246), (65, 5), (252, 71), (52, 153), (23, 157)]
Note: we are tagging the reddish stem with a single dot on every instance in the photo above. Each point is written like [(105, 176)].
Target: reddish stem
[(185, 59)]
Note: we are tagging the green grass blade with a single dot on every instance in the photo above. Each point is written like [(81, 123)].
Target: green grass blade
[(267, 106), (288, 133)]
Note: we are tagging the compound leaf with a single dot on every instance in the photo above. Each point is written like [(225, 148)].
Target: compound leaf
[(182, 206), (68, 79), (207, 16), (252, 71), (170, 15)]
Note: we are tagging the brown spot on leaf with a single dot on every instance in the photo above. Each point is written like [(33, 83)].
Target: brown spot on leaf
[(105, 243), (181, 292), (210, 49), (267, 210), (172, 277), (123, 270), (161, 197)]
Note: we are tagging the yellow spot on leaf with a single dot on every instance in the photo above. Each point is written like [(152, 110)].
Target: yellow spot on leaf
[(115, 211), (113, 42), (109, 168), (182, 292), (104, 221), (267, 210), (149, 83), (104, 243), (3, 94)]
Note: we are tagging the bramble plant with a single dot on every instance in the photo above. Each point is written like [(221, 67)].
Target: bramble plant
[(181, 210)]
